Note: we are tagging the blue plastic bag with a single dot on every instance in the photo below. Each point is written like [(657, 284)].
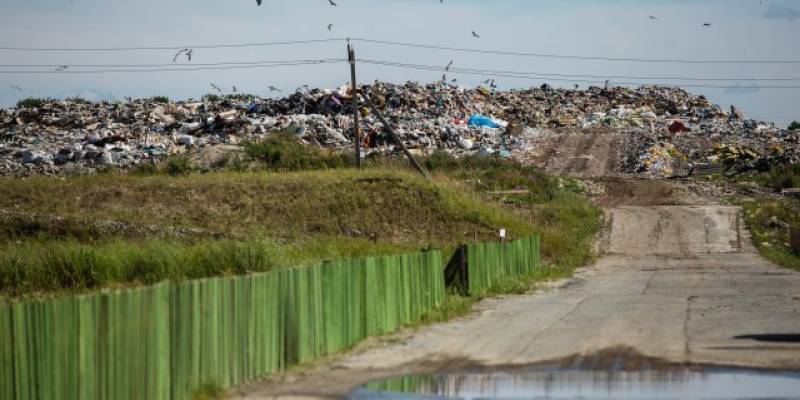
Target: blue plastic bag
[(482, 121)]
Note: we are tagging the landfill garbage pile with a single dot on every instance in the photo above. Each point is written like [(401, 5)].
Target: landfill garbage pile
[(673, 129)]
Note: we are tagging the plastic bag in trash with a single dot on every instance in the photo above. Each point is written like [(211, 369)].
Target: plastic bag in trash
[(482, 121)]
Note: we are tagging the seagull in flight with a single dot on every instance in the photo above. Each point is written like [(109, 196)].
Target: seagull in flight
[(215, 87), (332, 3), (330, 27), (450, 64), (187, 52), (476, 35), (274, 89), (707, 25), (17, 88)]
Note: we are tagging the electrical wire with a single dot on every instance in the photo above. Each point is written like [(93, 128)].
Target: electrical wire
[(542, 74), (539, 77), (217, 68), (195, 46), (571, 57)]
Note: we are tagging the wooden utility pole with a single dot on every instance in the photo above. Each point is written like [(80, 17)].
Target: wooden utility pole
[(394, 137), (351, 56)]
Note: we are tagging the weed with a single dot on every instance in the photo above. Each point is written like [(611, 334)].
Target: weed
[(159, 99), (281, 151), (32, 102), (209, 391), (176, 166)]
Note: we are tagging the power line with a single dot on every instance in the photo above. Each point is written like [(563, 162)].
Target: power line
[(163, 65), (195, 46), (533, 76), (540, 74), (543, 74), (396, 43), (573, 57), (230, 67)]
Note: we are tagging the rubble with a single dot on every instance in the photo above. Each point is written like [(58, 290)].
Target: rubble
[(673, 129)]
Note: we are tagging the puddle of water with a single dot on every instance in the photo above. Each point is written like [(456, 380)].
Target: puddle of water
[(590, 385)]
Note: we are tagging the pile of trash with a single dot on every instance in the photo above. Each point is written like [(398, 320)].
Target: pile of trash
[(669, 125)]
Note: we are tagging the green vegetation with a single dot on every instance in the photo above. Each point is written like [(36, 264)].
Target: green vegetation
[(281, 151), (794, 125), (456, 305), (210, 391), (159, 99), (211, 98), (87, 232), (780, 177), (769, 220), (33, 102)]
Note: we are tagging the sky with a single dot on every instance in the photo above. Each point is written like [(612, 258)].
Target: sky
[(740, 30)]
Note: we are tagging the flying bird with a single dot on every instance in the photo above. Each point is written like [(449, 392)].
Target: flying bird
[(486, 82), (187, 52), (61, 67), (234, 89), (17, 88), (330, 27), (707, 25), (454, 80), (450, 64), (332, 3), (274, 89), (444, 78), (215, 87), (475, 34), (653, 17)]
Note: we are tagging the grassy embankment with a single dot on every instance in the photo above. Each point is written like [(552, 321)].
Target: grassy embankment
[(769, 217), (278, 205)]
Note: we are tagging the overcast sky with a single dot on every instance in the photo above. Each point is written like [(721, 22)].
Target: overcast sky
[(741, 30)]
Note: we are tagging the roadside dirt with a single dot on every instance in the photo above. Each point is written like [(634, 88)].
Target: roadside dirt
[(678, 281)]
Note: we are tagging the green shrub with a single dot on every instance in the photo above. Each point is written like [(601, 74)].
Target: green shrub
[(146, 168), (782, 177), (281, 151), (794, 125), (159, 99), (178, 166), (211, 98), (32, 102)]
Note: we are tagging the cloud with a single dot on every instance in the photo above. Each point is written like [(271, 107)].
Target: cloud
[(782, 12)]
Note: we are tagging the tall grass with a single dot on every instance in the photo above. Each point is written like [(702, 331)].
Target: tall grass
[(32, 267)]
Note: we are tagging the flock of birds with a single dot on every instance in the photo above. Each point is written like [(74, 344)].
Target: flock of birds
[(188, 54)]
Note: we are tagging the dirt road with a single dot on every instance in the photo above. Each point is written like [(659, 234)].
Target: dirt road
[(678, 283)]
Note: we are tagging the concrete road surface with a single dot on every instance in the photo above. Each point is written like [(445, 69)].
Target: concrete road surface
[(676, 283)]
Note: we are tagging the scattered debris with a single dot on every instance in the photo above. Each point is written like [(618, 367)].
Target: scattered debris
[(670, 129)]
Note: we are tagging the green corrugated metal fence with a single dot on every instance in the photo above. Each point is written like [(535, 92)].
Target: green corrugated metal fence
[(166, 340), (487, 263)]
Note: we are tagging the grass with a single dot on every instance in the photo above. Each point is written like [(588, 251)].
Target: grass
[(768, 220), (456, 305), (33, 102), (88, 232), (281, 151)]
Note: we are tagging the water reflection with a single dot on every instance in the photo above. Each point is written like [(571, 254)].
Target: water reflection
[(590, 385)]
